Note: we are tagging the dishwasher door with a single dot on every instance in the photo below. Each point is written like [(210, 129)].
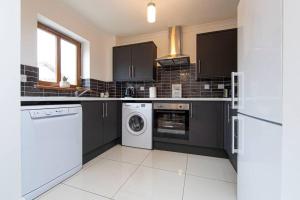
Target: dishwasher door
[(51, 145)]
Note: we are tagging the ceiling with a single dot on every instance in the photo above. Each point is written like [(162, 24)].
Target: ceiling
[(128, 17)]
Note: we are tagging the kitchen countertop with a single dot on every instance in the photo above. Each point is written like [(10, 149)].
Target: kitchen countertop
[(37, 99)]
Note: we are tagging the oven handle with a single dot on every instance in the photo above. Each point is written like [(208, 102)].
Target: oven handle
[(170, 111)]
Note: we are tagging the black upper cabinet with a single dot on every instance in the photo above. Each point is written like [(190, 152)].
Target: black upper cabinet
[(143, 61), (135, 62), (217, 53), (122, 63), (206, 124)]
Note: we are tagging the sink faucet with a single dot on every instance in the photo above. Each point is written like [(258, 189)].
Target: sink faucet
[(79, 94)]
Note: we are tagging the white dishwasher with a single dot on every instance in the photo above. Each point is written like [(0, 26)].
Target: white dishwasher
[(51, 139)]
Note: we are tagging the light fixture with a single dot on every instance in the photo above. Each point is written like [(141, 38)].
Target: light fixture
[(151, 12)]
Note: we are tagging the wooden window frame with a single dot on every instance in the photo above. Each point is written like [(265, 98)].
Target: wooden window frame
[(60, 36)]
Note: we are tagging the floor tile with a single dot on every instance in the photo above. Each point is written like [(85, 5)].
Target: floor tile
[(64, 192), (210, 167), (104, 177), (92, 162), (152, 184), (197, 188), (126, 154), (167, 160)]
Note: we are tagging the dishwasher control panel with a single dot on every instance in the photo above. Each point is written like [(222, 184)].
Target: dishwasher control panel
[(49, 113)]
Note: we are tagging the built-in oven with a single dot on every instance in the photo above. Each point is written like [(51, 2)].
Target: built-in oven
[(171, 120)]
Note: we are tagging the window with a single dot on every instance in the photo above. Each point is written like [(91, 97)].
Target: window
[(58, 56)]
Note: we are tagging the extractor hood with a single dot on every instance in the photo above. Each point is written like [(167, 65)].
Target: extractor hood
[(175, 57)]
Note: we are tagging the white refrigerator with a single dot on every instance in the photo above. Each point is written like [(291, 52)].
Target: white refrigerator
[(259, 99)]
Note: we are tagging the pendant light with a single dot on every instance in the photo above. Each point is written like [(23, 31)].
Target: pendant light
[(151, 12)]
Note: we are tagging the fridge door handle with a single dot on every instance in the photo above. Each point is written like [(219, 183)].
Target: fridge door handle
[(233, 149), (237, 100), (233, 99)]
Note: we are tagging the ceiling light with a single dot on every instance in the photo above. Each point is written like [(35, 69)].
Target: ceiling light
[(151, 12)]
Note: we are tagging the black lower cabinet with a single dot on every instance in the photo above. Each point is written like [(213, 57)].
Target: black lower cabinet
[(101, 126), (228, 134), (112, 121), (92, 115), (206, 124)]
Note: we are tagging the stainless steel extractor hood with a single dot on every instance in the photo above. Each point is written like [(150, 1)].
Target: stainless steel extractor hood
[(175, 56)]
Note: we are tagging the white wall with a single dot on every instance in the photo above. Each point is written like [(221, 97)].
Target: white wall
[(100, 42), (188, 38), (10, 100), (291, 102)]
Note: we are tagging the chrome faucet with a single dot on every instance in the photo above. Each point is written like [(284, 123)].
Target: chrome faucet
[(79, 94)]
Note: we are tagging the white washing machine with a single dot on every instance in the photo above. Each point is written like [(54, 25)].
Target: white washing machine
[(137, 125)]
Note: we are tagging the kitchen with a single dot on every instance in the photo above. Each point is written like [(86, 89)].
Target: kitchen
[(132, 100)]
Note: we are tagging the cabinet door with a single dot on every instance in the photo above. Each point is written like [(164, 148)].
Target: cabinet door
[(122, 63), (217, 53), (92, 126), (206, 124), (259, 160), (228, 113), (143, 61), (111, 121)]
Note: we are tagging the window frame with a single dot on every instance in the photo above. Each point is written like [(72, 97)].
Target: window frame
[(60, 36)]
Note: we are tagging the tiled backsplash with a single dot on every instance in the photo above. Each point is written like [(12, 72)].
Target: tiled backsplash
[(28, 88), (166, 76)]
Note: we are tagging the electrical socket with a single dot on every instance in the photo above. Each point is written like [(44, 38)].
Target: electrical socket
[(206, 86), (23, 78), (142, 88), (221, 86)]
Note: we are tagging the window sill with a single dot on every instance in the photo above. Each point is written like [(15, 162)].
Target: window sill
[(53, 87)]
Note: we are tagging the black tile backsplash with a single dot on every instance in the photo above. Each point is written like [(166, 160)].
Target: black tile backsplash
[(166, 76)]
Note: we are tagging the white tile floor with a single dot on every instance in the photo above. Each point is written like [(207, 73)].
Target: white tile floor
[(124, 173)]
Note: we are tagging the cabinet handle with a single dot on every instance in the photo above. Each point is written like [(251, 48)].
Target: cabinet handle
[(191, 110), (132, 71), (199, 66), (106, 109), (129, 71), (233, 149), (102, 110)]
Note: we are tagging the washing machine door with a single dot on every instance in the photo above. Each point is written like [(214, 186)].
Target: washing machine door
[(136, 123)]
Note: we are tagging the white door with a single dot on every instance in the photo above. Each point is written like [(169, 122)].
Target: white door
[(259, 159), (260, 58)]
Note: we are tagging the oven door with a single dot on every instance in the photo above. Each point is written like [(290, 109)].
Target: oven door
[(171, 124)]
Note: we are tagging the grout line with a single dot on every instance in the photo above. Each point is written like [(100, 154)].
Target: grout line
[(213, 179), (165, 170), (121, 161), (185, 174), (131, 175), (83, 190)]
